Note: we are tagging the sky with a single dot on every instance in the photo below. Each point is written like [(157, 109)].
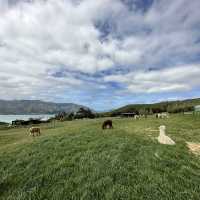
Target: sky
[(100, 53)]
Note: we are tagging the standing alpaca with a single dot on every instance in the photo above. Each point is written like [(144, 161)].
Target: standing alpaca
[(136, 117), (35, 131)]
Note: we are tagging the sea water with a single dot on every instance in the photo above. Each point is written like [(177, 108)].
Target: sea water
[(10, 118)]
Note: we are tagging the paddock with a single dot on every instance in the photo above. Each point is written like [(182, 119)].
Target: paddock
[(85, 160)]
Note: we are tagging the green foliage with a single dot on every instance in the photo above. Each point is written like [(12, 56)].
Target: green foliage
[(84, 113), (80, 114), (78, 160)]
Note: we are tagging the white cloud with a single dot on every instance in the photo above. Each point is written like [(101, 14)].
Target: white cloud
[(41, 38), (181, 78)]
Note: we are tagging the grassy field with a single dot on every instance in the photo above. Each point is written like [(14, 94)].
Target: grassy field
[(77, 160)]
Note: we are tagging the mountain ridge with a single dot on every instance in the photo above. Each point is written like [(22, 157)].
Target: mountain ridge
[(13, 107)]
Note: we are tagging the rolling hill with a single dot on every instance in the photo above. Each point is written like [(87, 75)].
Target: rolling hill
[(166, 106)]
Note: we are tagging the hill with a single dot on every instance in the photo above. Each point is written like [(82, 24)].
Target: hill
[(78, 160), (36, 107), (166, 106)]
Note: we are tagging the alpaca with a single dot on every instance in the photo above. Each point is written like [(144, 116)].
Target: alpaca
[(35, 131), (162, 115), (164, 139), (107, 124), (136, 117)]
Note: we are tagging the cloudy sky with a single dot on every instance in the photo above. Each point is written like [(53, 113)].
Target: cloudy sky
[(100, 53)]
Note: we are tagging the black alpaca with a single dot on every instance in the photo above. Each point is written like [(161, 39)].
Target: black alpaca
[(107, 124)]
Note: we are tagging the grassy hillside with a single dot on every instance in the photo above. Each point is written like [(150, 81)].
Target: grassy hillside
[(167, 106), (77, 160)]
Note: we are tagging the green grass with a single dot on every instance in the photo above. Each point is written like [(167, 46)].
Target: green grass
[(77, 160)]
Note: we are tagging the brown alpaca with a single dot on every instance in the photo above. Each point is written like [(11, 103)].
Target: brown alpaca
[(107, 124), (35, 131)]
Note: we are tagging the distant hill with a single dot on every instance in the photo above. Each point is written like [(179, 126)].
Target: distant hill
[(36, 107), (167, 106)]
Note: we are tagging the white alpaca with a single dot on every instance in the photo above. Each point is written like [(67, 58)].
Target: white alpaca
[(136, 117), (164, 139), (162, 115)]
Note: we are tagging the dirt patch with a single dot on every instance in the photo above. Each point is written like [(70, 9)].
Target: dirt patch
[(194, 147)]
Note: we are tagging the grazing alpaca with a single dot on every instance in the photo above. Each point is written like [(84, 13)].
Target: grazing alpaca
[(164, 139), (107, 124), (35, 131)]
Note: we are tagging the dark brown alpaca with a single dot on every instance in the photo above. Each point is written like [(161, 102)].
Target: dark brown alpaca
[(107, 124)]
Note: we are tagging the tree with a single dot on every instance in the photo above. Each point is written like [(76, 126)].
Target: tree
[(84, 113)]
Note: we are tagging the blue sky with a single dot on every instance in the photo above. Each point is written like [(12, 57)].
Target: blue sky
[(102, 54)]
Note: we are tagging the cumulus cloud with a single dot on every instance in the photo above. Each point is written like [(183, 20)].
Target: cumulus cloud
[(70, 50), (165, 80)]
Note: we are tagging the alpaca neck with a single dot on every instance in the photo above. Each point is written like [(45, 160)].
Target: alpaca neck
[(162, 132)]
